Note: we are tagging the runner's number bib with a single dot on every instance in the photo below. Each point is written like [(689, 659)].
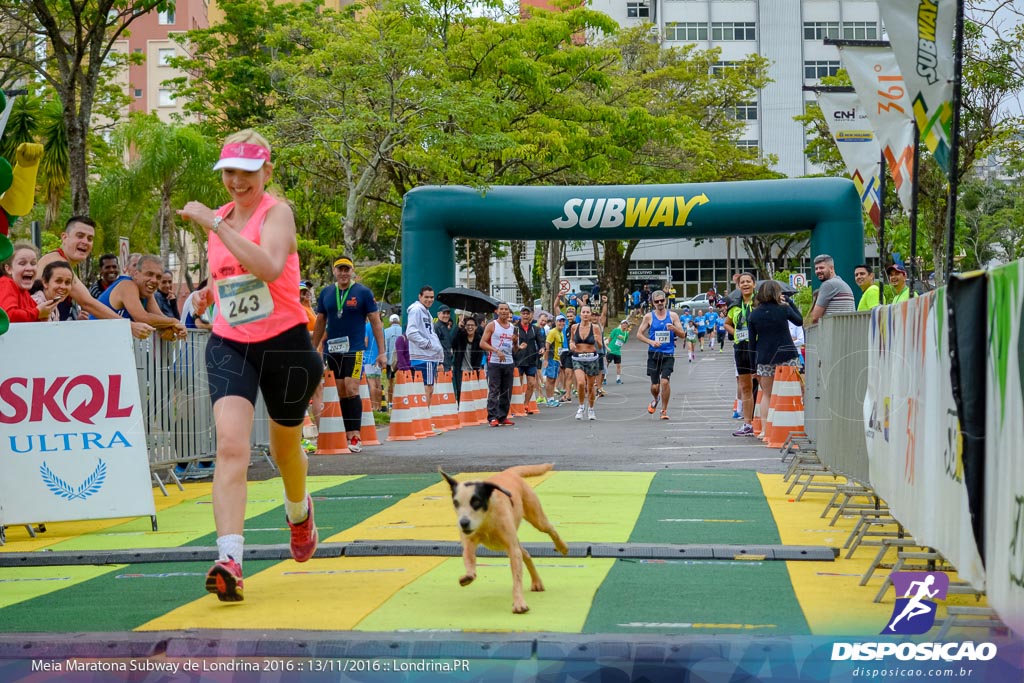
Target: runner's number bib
[(244, 299), (338, 345), (742, 335), (662, 336)]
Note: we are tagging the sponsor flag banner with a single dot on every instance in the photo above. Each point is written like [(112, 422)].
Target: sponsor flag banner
[(1004, 445), (921, 34), (851, 130), (72, 437), (912, 428), (879, 84)]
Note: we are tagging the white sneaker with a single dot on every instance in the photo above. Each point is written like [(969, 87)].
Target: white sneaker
[(590, 414), (355, 444), (579, 413)]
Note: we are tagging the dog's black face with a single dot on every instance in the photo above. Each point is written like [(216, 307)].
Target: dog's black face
[(471, 499)]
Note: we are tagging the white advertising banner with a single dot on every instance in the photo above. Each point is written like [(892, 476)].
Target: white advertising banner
[(848, 123), (1004, 445), (72, 437), (879, 84), (921, 34), (912, 428)]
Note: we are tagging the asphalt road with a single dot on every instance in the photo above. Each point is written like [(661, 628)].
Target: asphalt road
[(624, 436)]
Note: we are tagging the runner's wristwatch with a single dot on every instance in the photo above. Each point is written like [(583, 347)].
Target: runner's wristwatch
[(217, 220)]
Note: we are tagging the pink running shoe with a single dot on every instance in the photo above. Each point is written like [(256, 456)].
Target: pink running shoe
[(304, 536), (225, 579)]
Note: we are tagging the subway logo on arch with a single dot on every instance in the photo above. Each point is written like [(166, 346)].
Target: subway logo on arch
[(629, 212)]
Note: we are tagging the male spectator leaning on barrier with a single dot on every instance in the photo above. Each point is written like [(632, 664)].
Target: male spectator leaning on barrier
[(132, 265), (109, 270), (75, 247), (834, 295), (871, 292), (165, 298), (898, 281), (134, 298), (343, 309), (425, 350)]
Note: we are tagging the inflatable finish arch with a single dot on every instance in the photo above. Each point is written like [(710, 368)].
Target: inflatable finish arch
[(434, 216)]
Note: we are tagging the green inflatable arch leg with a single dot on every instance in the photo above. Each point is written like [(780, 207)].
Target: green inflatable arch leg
[(434, 216)]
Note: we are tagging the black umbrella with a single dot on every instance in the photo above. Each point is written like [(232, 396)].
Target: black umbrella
[(466, 299)]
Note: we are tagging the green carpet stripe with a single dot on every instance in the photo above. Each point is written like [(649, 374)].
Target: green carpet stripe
[(109, 603), (691, 507), (657, 596), (697, 598)]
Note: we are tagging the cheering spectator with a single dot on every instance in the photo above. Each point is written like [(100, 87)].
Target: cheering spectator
[(57, 279), (109, 270), (834, 295), (132, 297), (19, 272), (165, 298)]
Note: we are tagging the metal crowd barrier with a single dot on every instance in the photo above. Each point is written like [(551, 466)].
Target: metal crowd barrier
[(176, 405), (836, 377), (175, 401)]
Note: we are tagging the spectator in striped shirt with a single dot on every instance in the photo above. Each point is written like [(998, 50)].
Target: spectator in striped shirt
[(834, 295)]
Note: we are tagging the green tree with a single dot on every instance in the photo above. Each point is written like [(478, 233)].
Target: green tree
[(79, 63), (169, 164), (229, 84), (384, 280)]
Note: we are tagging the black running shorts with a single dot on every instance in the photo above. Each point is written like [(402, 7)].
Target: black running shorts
[(660, 366), (284, 368)]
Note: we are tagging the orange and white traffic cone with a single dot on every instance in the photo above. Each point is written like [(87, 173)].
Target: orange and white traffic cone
[(788, 400), (421, 412), (401, 427), (332, 440), (367, 426), (756, 423), (467, 402), (518, 407), (443, 408), (481, 397)]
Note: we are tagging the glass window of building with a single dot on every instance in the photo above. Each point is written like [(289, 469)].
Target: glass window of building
[(815, 69), (687, 31), (860, 30), (164, 55), (819, 30), (165, 97), (746, 111), (733, 30), (638, 10)]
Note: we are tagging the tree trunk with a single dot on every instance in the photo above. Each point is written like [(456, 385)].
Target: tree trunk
[(78, 171), (616, 272), (556, 259), (481, 263), (541, 249), (165, 221), (525, 288)]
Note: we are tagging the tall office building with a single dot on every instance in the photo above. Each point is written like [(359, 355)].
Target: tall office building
[(790, 34)]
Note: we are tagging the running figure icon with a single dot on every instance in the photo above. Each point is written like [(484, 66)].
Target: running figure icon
[(915, 610)]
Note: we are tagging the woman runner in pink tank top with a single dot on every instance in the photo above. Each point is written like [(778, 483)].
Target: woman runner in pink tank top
[(259, 344)]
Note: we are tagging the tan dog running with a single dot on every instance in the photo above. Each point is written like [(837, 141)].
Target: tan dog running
[(489, 513)]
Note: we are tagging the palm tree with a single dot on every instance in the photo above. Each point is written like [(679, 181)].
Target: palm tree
[(166, 165)]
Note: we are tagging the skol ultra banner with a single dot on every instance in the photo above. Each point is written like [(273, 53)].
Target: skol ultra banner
[(72, 437), (1004, 445), (921, 34), (848, 123), (879, 84), (912, 429)]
